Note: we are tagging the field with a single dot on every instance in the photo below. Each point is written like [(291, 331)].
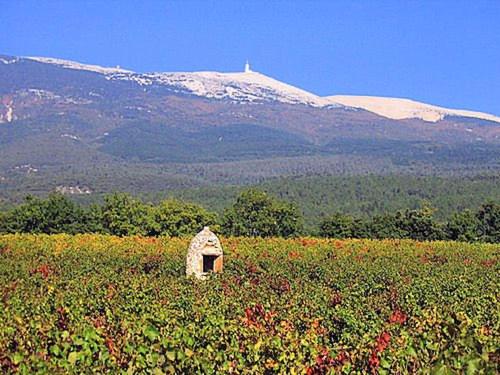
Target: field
[(87, 303)]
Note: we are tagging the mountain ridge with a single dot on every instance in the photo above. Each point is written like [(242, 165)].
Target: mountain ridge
[(250, 86)]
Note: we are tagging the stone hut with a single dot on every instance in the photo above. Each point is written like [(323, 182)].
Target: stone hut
[(204, 254)]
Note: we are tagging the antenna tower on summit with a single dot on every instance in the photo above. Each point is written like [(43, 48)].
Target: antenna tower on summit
[(247, 67)]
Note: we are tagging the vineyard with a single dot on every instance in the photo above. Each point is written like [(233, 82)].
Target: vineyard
[(89, 303)]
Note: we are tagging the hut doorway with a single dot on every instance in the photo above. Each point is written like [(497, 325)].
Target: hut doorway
[(209, 263)]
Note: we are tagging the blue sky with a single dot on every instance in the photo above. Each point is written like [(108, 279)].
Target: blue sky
[(442, 52)]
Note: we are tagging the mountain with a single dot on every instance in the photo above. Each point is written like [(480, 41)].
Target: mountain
[(400, 109), (250, 86), (64, 123)]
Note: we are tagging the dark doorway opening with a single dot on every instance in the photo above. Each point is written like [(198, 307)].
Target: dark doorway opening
[(209, 263)]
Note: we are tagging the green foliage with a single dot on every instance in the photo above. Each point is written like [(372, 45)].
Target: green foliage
[(3, 222), (463, 226), (256, 214), (419, 224), (488, 217), (343, 226), (123, 215), (415, 224), (56, 214), (103, 304), (316, 197), (359, 196), (177, 218), (120, 215), (385, 226)]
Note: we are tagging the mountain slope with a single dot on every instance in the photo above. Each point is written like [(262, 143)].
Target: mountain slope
[(399, 109), (63, 118), (250, 86)]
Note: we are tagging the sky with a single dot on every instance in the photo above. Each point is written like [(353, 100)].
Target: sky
[(443, 52)]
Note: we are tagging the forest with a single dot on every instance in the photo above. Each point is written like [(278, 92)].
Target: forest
[(363, 196), (317, 197), (253, 213)]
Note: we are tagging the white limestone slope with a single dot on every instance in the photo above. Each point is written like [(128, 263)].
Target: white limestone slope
[(398, 109), (78, 66), (247, 86), (254, 87), (241, 87)]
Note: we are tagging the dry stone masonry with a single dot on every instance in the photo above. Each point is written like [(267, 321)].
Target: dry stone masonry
[(204, 255)]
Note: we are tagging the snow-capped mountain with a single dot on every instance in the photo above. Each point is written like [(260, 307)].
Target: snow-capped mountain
[(253, 87), (79, 125), (241, 87), (247, 86), (399, 109), (78, 66)]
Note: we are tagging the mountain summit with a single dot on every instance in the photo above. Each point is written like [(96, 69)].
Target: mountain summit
[(254, 87)]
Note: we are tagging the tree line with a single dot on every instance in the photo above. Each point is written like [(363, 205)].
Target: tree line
[(319, 197), (253, 213), (419, 224)]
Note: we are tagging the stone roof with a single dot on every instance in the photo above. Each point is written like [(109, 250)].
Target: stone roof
[(205, 240)]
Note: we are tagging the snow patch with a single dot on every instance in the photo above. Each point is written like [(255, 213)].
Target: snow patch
[(248, 86), (9, 61), (78, 66), (41, 94), (399, 109), (10, 114), (28, 168), (71, 136)]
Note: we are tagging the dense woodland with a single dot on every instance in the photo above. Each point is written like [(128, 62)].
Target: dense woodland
[(359, 196), (20, 176), (316, 197), (254, 213)]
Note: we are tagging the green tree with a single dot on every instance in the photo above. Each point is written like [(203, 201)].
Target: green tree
[(56, 214), (386, 226), (27, 217), (3, 222), (256, 214), (419, 224), (343, 226), (177, 218), (94, 219), (123, 215), (488, 217), (463, 226)]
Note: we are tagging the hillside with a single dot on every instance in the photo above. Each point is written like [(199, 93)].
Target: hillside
[(67, 123)]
